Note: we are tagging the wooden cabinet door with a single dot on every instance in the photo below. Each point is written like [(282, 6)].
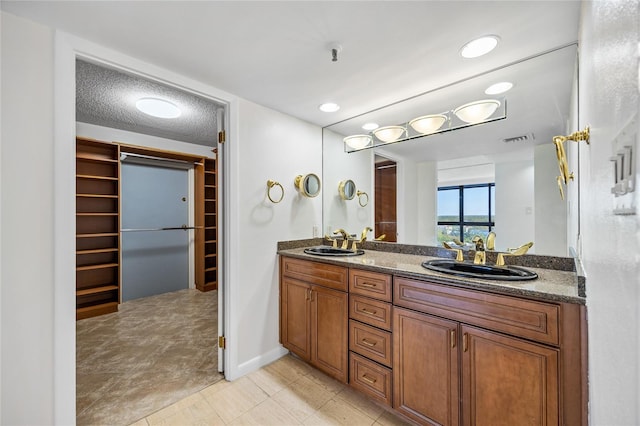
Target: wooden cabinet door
[(295, 314), (329, 331), (507, 381), (425, 368)]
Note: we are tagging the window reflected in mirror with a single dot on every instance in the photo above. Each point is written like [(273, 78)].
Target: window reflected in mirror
[(465, 211)]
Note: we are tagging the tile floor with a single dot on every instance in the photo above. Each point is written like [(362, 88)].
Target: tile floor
[(153, 352), (286, 392)]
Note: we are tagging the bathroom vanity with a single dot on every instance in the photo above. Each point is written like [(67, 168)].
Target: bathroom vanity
[(440, 349)]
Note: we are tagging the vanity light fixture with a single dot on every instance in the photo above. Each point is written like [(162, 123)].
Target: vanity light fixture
[(358, 141), (480, 46), (498, 88), (475, 112), (428, 124), (329, 107), (470, 114), (389, 133), (156, 107)]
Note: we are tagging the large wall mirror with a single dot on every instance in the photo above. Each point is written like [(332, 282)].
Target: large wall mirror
[(515, 155)]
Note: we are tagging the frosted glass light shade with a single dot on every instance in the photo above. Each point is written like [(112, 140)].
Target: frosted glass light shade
[(389, 133), (428, 124), (475, 112), (158, 108), (357, 141)]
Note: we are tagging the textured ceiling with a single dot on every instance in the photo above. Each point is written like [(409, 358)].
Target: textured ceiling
[(107, 97)]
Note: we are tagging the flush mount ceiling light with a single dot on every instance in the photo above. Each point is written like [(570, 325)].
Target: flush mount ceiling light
[(158, 108), (370, 126), (496, 89), (358, 141), (389, 133), (477, 111), (480, 46), (329, 107), (428, 124)]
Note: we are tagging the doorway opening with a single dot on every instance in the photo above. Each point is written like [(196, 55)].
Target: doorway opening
[(385, 177), (149, 317)]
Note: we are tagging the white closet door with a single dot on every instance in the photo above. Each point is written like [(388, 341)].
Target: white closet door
[(154, 261)]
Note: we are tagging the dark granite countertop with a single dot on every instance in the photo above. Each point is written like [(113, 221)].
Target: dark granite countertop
[(552, 284)]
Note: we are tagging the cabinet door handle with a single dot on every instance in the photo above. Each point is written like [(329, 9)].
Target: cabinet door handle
[(465, 338), (453, 338), (368, 379), (368, 343), (368, 312), (369, 285)]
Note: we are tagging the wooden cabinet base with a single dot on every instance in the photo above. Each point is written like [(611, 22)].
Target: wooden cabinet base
[(370, 378)]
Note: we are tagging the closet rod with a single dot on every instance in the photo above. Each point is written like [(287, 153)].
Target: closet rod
[(124, 155), (185, 228)]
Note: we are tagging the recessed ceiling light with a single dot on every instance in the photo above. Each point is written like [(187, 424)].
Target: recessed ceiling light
[(480, 46), (329, 107), (496, 89), (370, 126), (158, 108)]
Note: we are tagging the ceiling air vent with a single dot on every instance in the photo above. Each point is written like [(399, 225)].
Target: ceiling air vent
[(522, 138)]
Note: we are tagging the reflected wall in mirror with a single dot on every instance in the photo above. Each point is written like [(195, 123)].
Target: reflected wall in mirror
[(516, 154)]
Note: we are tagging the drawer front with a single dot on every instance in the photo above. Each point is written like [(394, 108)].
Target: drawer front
[(323, 274), (370, 342), (523, 318), (370, 311), (370, 284), (370, 378)]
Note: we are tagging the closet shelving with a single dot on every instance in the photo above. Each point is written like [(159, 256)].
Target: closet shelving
[(210, 281), (97, 228)]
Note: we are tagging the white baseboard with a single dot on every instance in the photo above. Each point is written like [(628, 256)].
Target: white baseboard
[(256, 363)]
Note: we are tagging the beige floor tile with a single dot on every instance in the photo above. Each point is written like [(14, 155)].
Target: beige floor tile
[(389, 419), (238, 398), (329, 383), (267, 413), (339, 412), (303, 397), (210, 391), (141, 422), (361, 402)]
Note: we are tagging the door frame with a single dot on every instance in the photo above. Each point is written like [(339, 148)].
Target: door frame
[(66, 49)]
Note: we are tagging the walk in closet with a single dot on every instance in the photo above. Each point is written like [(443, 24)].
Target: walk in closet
[(99, 249)]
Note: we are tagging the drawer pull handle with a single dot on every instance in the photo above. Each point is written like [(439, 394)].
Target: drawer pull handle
[(368, 343), (368, 379), (369, 285), (368, 312)]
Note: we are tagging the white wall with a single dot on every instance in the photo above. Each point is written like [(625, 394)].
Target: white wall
[(515, 224), (609, 35), (27, 223), (550, 210), (271, 146), (427, 203), (338, 166)]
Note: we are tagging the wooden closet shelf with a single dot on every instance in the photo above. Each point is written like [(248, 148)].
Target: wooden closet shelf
[(104, 234), (210, 241), (96, 290), (210, 214), (210, 186), (211, 269), (97, 266), (98, 251), (97, 159), (95, 310), (211, 255), (210, 172), (210, 199), (96, 214), (96, 177), (97, 196)]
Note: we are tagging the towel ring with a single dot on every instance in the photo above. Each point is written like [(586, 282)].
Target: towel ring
[(270, 185), (363, 198)]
